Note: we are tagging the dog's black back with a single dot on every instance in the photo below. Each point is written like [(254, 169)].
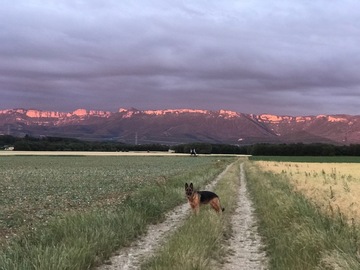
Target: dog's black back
[(206, 196)]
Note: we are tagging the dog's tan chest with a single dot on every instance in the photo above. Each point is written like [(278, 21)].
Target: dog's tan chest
[(194, 201)]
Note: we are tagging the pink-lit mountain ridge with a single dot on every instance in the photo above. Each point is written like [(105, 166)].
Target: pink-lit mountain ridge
[(181, 126)]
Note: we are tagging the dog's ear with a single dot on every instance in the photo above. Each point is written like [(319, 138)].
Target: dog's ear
[(186, 185), (191, 186)]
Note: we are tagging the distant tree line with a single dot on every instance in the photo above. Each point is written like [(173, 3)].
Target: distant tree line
[(207, 148), (7, 140), (29, 143), (301, 149), (266, 149)]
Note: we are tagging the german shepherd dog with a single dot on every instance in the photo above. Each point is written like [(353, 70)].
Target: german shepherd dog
[(196, 198)]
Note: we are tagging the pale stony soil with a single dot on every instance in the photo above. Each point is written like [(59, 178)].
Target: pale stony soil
[(131, 257), (245, 244), (246, 247)]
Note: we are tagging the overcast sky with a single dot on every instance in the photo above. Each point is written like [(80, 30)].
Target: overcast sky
[(290, 57)]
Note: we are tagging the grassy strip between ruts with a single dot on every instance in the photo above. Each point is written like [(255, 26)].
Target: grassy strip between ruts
[(297, 235), (198, 244), (81, 240)]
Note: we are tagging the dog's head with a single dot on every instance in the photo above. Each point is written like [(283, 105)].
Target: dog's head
[(189, 190)]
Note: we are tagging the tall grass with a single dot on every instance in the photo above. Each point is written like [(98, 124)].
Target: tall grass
[(297, 235), (83, 239), (198, 244), (332, 187)]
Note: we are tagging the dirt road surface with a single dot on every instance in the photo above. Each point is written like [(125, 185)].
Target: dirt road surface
[(245, 245)]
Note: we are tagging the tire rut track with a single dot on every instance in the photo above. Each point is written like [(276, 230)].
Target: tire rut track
[(130, 258), (245, 244)]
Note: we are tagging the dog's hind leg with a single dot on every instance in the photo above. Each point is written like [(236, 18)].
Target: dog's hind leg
[(215, 204)]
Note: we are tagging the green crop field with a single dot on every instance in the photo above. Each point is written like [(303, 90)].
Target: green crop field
[(74, 212), (34, 188), (51, 204)]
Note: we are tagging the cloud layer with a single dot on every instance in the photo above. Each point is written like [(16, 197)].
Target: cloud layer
[(282, 57)]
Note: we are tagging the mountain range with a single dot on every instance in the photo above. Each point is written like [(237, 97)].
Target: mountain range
[(175, 126)]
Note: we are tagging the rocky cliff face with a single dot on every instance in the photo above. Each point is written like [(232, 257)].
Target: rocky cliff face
[(175, 126)]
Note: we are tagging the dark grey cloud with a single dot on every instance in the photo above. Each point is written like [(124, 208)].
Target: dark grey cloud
[(282, 57)]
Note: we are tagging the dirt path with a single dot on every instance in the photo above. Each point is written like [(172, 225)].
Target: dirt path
[(246, 243), (130, 258)]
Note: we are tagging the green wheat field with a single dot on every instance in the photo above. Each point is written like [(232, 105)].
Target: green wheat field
[(71, 212), (74, 212)]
